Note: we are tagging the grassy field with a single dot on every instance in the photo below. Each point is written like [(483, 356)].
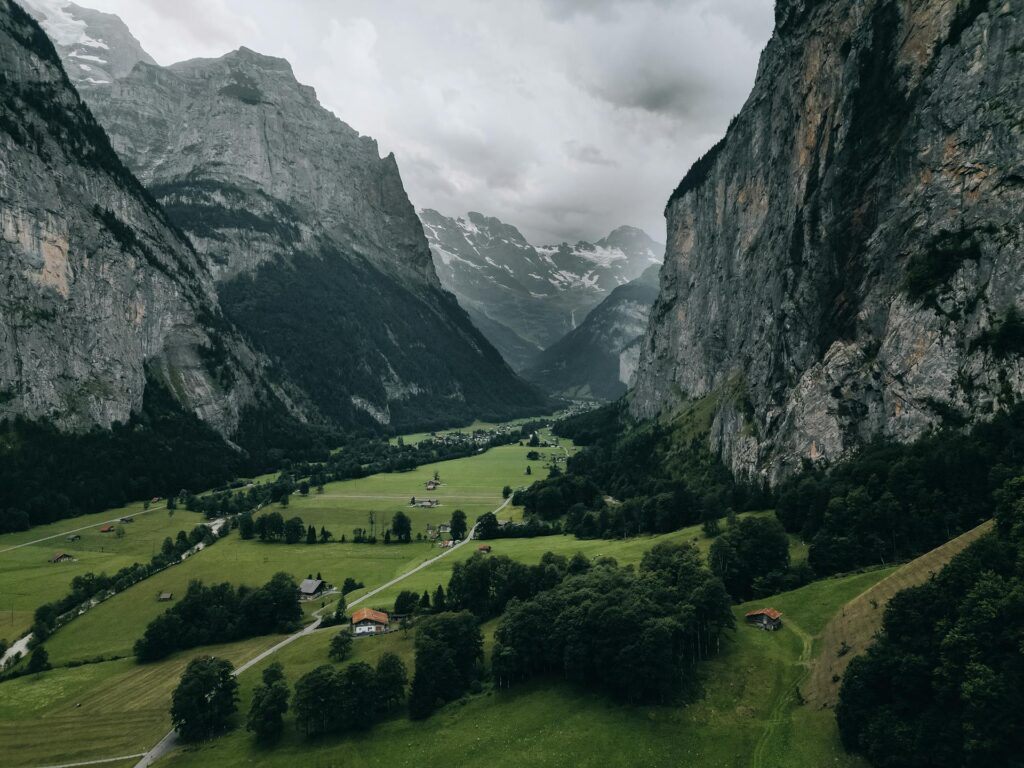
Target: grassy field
[(748, 715), (27, 579)]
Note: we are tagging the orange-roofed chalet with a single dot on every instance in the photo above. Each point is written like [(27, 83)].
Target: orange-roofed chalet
[(367, 621)]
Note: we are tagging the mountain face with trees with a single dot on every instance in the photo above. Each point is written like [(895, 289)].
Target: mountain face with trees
[(526, 298), (317, 253), (845, 263), (598, 358)]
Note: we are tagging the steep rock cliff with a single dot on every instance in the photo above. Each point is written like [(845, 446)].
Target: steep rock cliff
[(846, 263), (99, 289)]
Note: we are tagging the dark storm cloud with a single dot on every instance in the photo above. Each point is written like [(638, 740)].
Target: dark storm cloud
[(563, 117)]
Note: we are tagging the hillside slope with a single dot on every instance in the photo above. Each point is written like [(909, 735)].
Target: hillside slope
[(598, 359), (530, 296), (847, 258)]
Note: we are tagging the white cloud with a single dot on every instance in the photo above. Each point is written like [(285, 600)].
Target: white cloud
[(564, 117)]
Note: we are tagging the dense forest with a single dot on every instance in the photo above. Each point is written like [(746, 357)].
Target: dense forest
[(943, 686), (891, 502), (658, 486), (636, 635)]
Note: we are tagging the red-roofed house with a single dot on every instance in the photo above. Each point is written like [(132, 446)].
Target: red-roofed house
[(367, 621), (765, 618), (107, 528)]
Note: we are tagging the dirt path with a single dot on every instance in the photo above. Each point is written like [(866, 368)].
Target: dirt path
[(83, 528), (170, 741), (783, 699)]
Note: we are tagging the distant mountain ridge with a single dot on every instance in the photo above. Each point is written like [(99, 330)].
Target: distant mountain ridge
[(525, 298), (317, 253), (598, 359)]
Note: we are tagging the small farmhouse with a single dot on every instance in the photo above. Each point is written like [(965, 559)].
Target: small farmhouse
[(426, 503), (108, 528), (61, 557), (765, 618), (165, 597), (444, 528), (432, 485), (127, 519), (485, 548), (367, 621), (73, 538), (311, 588)]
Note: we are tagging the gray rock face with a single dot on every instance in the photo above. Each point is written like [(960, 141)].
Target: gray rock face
[(526, 298), (249, 161), (99, 289), (95, 47), (847, 262), (598, 359)]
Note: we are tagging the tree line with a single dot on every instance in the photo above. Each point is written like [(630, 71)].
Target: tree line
[(221, 613)]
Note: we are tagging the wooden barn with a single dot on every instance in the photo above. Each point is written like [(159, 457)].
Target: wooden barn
[(62, 557), (765, 618)]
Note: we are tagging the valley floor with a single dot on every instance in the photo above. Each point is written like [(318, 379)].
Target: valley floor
[(89, 711)]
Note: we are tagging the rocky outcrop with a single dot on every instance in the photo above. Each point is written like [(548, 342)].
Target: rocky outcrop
[(100, 290), (526, 298), (846, 263), (598, 359)]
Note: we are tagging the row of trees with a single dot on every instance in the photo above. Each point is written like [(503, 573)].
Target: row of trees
[(637, 635), (943, 685), (272, 526), (221, 614)]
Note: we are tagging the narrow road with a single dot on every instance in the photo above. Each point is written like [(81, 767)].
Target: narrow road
[(83, 528), (170, 741)]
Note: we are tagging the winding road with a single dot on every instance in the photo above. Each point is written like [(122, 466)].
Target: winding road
[(170, 741)]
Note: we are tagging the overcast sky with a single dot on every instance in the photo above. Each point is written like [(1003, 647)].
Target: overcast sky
[(566, 118)]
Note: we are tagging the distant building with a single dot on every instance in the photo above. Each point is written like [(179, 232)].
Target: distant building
[(73, 537), (311, 588), (444, 528), (62, 557), (485, 548), (127, 519), (432, 485), (367, 621), (426, 503), (765, 618), (164, 597), (108, 528)]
